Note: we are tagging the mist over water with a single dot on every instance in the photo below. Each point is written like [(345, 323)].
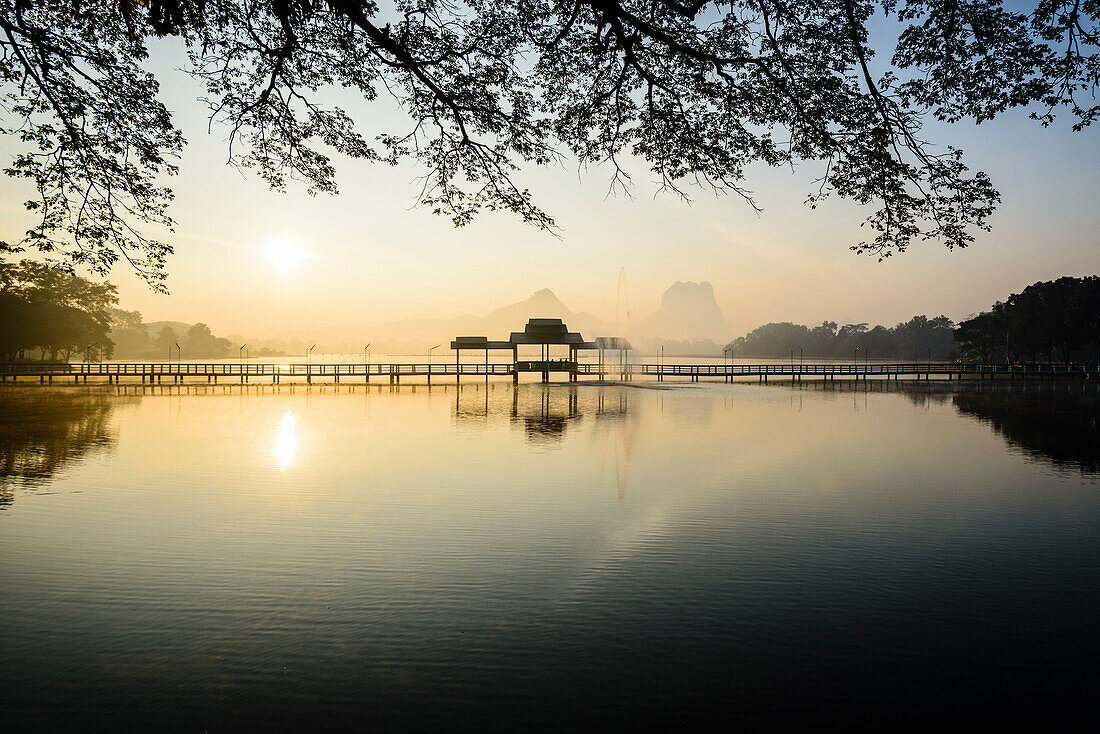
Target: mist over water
[(546, 556)]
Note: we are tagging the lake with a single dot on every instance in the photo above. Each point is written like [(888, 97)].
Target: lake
[(544, 557)]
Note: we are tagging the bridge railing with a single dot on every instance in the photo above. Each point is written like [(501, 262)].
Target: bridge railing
[(239, 369), (227, 369), (881, 368), (551, 365)]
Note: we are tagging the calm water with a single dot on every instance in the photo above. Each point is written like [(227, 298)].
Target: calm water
[(545, 557)]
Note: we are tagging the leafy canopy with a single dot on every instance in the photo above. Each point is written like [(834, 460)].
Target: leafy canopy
[(1056, 319), (54, 311), (698, 90)]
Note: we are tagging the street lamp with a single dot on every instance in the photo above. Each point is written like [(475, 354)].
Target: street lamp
[(800, 359), (179, 354), (367, 350), (430, 363), (855, 361)]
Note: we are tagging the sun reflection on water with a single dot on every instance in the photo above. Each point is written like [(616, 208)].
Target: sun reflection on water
[(285, 446)]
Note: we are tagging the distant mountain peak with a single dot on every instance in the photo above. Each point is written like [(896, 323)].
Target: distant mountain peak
[(689, 289), (688, 311), (545, 298), (543, 303)]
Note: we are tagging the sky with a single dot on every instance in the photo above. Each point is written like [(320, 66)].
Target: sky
[(369, 255)]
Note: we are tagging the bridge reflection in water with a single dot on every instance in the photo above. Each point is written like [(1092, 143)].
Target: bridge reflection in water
[(545, 413), (42, 431)]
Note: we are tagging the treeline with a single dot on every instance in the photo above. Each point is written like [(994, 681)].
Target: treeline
[(134, 339), (1055, 321), (48, 313), (917, 339)]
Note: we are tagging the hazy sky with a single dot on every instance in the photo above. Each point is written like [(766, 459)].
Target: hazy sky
[(374, 257)]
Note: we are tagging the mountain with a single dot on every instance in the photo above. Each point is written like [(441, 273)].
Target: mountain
[(688, 311), (542, 304), (154, 327), (688, 322), (415, 335)]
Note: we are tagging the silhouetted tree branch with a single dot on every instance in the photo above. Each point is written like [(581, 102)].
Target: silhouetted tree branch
[(695, 90)]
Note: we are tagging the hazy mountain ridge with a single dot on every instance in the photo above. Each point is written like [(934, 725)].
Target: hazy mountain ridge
[(416, 335), (688, 311), (688, 322)]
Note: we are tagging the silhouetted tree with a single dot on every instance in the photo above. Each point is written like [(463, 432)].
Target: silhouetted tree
[(50, 309), (1051, 320), (202, 343), (166, 341), (697, 90), (916, 339), (130, 334)]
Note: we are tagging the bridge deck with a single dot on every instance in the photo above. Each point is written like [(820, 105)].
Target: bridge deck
[(157, 371)]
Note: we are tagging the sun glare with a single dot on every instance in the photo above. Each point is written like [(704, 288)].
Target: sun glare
[(284, 255), (286, 440)]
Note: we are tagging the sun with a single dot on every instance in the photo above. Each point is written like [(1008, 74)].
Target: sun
[(285, 255)]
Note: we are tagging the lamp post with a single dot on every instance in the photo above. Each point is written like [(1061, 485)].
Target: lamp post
[(179, 355), (855, 362), (430, 350)]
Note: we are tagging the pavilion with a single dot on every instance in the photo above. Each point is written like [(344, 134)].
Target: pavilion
[(545, 333)]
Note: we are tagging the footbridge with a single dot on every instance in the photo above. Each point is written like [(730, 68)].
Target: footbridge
[(395, 373)]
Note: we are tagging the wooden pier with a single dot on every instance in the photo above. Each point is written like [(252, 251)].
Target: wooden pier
[(876, 370), (394, 373)]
